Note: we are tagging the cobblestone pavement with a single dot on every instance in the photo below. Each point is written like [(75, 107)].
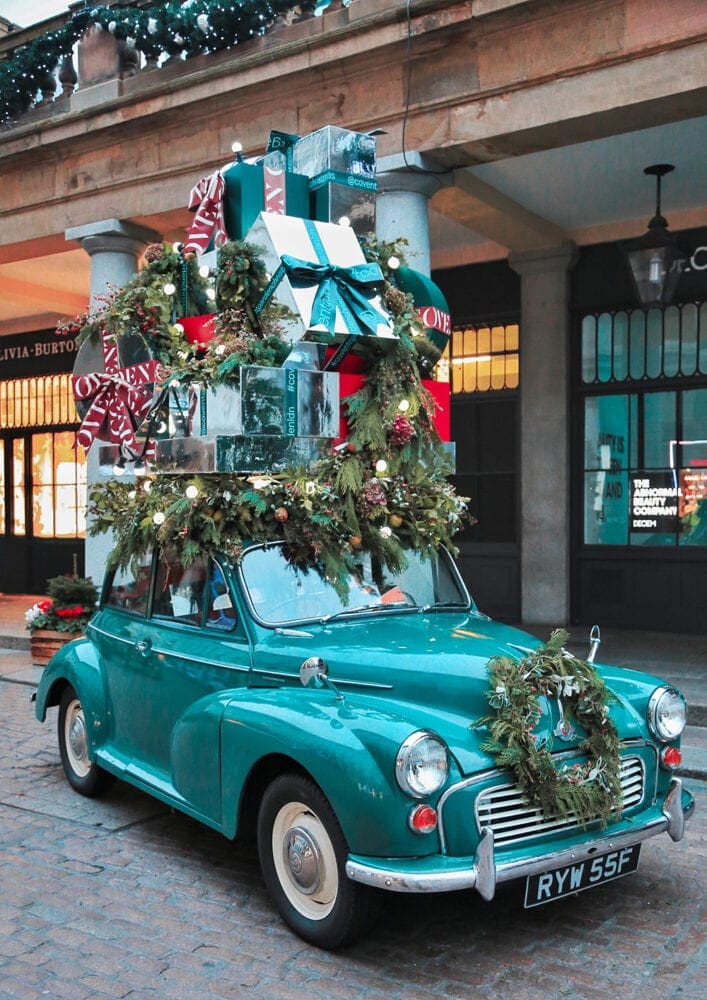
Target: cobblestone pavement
[(119, 897)]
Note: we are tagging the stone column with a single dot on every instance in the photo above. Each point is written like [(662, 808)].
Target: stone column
[(114, 248), (404, 189), (544, 433)]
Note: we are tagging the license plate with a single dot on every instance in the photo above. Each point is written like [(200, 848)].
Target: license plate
[(559, 882)]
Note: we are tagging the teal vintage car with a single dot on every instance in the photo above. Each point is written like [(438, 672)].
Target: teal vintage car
[(339, 728)]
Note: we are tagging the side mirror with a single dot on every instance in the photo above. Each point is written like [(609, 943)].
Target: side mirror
[(314, 672)]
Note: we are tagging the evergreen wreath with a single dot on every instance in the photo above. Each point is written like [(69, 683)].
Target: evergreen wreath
[(588, 792)]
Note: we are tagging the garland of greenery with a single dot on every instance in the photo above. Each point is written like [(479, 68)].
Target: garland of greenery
[(383, 490), (178, 28), (589, 791)]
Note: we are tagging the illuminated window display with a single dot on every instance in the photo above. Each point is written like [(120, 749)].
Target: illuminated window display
[(645, 451)]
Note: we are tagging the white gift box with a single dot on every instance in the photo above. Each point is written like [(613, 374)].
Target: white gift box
[(316, 243)]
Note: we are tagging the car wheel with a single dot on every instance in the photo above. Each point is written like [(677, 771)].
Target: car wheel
[(303, 856), (81, 772)]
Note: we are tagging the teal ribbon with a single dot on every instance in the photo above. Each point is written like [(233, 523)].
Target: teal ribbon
[(340, 177), (347, 289)]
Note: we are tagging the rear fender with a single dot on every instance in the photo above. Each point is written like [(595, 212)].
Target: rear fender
[(348, 747), (76, 664)]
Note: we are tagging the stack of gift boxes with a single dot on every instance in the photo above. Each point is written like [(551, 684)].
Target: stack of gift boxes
[(302, 205)]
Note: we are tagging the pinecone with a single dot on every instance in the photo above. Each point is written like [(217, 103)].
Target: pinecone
[(155, 251), (395, 300)]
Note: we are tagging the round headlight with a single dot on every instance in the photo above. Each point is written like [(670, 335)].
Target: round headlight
[(666, 713), (422, 764)]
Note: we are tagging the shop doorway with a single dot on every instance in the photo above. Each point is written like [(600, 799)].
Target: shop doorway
[(42, 484)]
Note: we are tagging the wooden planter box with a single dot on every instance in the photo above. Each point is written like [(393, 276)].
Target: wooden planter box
[(45, 642)]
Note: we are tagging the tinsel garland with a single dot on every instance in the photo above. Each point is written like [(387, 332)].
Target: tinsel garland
[(176, 28), (589, 791)]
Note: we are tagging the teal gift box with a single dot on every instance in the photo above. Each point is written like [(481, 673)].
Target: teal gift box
[(252, 188)]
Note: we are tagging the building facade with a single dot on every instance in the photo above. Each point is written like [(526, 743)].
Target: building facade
[(513, 139)]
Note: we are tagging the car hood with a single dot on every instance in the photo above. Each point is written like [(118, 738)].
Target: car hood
[(430, 668)]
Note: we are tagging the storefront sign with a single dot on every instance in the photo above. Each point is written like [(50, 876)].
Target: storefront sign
[(41, 353), (654, 502)]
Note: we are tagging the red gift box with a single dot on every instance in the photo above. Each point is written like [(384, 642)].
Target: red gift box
[(440, 391), (199, 330)]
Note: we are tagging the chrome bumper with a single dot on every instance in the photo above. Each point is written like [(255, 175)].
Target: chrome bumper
[(484, 874)]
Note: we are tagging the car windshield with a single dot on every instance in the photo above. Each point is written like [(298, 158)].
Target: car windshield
[(281, 593)]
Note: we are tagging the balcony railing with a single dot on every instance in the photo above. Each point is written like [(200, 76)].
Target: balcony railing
[(102, 57)]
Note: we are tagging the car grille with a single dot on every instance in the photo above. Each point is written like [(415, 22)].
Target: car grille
[(504, 810)]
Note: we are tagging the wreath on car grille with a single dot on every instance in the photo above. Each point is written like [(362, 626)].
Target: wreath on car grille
[(585, 791)]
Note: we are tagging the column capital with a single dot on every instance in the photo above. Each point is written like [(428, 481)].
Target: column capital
[(112, 236), (545, 260), (411, 172)]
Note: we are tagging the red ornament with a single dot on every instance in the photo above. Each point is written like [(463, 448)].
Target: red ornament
[(282, 514)]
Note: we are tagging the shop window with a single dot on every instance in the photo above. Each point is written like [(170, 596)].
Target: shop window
[(2, 487), (19, 521), (37, 402), (58, 486), (484, 358), (644, 344), (645, 468)]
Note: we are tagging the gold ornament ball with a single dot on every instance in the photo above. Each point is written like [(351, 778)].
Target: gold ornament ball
[(395, 520), (355, 541)]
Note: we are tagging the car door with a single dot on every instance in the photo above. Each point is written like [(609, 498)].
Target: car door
[(164, 692)]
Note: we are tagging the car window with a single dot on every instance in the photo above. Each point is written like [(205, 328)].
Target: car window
[(129, 588), (179, 591), (220, 611), (280, 592)]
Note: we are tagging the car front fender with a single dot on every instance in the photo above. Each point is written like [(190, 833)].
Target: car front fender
[(348, 746)]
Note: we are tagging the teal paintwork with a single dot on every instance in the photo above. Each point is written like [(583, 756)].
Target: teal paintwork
[(190, 714)]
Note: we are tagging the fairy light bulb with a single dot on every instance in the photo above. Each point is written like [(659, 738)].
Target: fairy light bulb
[(393, 263), (178, 328), (404, 405), (168, 288), (158, 518), (204, 271), (192, 491), (381, 465), (147, 485), (344, 221), (210, 294)]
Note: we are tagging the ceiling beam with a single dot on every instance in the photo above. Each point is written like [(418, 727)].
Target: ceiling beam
[(40, 298), (486, 211)]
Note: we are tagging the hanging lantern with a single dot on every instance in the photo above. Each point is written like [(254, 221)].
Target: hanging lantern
[(656, 259)]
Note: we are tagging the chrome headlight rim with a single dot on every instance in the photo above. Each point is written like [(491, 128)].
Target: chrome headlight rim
[(403, 759), (653, 708)]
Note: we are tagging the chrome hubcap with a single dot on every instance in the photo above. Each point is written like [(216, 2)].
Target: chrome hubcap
[(77, 737), (303, 860)]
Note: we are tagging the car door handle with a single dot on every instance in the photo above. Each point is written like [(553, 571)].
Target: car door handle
[(143, 646)]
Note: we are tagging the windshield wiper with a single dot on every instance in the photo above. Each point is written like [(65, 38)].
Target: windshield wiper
[(443, 606), (394, 605)]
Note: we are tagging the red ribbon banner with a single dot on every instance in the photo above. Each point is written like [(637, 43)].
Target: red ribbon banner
[(120, 399), (206, 199)]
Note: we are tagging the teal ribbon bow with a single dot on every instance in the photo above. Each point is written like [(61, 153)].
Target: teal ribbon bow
[(347, 289)]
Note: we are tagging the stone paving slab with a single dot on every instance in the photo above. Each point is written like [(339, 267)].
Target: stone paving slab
[(164, 908)]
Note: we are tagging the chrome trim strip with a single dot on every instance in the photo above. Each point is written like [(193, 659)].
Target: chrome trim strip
[(339, 681), (483, 874), (112, 635), (199, 659)]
